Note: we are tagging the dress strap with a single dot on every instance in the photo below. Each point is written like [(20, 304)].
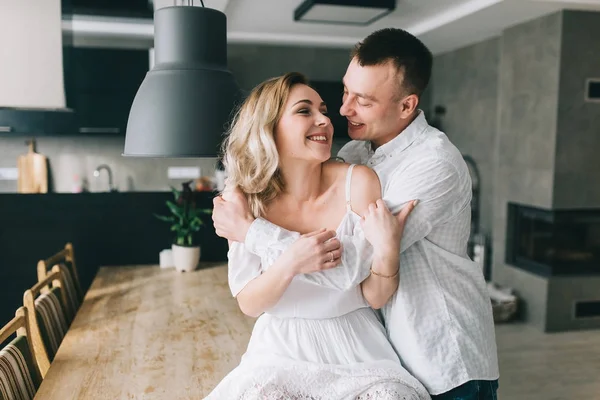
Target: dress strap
[(348, 180)]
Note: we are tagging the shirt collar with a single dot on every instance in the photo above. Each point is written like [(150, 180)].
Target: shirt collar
[(403, 140)]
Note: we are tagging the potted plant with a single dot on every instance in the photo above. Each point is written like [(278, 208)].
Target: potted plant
[(185, 222)]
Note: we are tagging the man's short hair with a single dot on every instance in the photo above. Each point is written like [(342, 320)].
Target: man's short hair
[(408, 54)]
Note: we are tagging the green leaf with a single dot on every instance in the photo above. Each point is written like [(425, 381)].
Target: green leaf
[(164, 218), (198, 212), (175, 209), (196, 221), (175, 192)]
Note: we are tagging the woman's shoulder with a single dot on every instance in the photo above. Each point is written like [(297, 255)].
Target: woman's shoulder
[(365, 187), (340, 170), (361, 174)]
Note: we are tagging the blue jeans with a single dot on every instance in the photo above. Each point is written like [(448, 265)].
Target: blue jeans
[(472, 390)]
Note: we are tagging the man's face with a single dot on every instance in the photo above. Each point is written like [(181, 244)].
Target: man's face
[(372, 102)]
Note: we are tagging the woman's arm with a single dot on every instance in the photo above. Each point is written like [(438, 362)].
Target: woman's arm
[(383, 231), (366, 191), (264, 291), (257, 289)]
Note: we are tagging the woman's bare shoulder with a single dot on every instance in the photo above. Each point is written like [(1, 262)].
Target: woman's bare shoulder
[(365, 187)]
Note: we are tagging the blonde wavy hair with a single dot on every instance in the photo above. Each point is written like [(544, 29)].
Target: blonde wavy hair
[(250, 156)]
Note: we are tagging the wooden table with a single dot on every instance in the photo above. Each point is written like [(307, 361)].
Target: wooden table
[(147, 333)]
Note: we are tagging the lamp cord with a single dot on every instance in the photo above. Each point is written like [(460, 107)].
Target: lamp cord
[(189, 2)]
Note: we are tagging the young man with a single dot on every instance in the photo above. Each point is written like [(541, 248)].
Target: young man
[(440, 318)]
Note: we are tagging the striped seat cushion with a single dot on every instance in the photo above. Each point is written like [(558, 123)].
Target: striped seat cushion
[(51, 319), (17, 378), (72, 293)]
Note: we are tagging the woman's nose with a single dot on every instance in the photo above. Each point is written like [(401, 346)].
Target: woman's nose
[(323, 120)]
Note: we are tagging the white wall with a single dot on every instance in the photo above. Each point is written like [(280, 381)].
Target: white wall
[(31, 70)]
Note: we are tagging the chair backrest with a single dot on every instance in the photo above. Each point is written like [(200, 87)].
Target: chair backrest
[(72, 286), (46, 314), (20, 375)]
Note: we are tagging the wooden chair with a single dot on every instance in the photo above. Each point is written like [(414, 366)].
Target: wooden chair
[(47, 315), (72, 286), (20, 375)]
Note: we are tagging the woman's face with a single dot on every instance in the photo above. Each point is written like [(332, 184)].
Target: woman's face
[(304, 131)]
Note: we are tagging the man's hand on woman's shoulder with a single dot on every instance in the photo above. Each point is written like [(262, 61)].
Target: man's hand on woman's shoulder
[(231, 215)]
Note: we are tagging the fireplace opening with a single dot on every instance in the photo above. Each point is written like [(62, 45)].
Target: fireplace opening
[(553, 242)]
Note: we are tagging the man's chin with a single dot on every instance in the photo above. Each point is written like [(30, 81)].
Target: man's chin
[(356, 136)]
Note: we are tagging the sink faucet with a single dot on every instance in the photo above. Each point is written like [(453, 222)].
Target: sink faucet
[(110, 176)]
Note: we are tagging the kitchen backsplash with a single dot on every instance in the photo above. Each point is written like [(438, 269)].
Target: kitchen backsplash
[(75, 158)]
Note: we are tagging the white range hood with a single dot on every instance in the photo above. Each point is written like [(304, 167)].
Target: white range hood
[(31, 67)]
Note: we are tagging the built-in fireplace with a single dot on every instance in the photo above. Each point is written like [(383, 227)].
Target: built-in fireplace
[(553, 242)]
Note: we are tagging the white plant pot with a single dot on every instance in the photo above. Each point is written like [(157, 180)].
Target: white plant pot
[(185, 259)]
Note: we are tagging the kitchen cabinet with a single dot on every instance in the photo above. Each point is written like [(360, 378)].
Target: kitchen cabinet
[(106, 229), (36, 121), (109, 8), (100, 85)]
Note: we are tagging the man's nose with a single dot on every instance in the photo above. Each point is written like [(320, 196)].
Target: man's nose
[(345, 109)]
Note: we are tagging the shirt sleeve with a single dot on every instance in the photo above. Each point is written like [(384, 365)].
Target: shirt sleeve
[(264, 238), (350, 152), (441, 190), (242, 267)]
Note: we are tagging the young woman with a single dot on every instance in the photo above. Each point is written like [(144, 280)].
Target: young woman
[(309, 341)]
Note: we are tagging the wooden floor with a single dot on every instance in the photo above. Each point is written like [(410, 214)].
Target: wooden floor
[(548, 366)]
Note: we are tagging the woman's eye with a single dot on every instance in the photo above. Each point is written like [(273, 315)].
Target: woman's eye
[(303, 111), (324, 112)]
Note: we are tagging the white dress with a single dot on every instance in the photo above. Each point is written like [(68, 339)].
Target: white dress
[(317, 343)]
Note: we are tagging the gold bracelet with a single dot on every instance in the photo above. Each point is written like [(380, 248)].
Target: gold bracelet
[(385, 276)]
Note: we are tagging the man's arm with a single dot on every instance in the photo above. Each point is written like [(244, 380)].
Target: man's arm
[(437, 186), (441, 190), (234, 221), (269, 241)]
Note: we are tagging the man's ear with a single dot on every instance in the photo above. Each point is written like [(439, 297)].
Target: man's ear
[(408, 105)]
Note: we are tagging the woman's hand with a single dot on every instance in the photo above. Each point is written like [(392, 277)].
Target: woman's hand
[(383, 229), (312, 252)]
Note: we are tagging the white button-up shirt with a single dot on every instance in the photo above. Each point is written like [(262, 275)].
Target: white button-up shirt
[(440, 320)]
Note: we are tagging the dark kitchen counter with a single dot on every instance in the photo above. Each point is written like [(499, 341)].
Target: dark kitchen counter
[(106, 229)]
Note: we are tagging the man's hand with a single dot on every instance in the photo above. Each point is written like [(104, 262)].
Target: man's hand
[(383, 229), (231, 215), (313, 252)]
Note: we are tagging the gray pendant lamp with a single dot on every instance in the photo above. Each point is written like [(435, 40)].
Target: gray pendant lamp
[(185, 101)]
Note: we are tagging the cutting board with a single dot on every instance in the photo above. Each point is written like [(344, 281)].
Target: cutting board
[(33, 172)]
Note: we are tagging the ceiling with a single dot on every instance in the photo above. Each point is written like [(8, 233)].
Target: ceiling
[(443, 25)]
